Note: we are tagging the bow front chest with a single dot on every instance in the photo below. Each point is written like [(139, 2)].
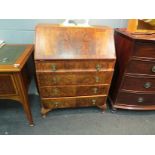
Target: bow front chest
[(133, 85), (74, 65)]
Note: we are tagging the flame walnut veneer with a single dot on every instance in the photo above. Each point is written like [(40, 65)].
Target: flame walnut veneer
[(74, 65), (133, 84)]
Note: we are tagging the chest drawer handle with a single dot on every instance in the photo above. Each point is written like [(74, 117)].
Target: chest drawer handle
[(53, 67), (95, 90), (97, 79), (140, 100), (147, 85), (153, 69), (94, 102), (98, 67)]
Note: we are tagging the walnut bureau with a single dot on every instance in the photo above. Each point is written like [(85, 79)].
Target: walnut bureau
[(15, 74), (133, 85), (74, 65)]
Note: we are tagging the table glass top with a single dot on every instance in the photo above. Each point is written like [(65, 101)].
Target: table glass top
[(10, 53)]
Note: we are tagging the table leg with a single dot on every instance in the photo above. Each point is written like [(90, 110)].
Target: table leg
[(24, 97)]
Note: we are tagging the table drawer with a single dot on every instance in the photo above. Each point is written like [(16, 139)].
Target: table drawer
[(54, 66), (71, 102), (141, 67), (145, 50), (67, 91), (7, 85), (73, 78), (139, 83), (135, 99)]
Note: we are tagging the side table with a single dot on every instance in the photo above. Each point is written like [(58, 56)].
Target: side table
[(15, 74)]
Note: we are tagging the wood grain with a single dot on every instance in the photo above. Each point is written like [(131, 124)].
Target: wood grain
[(62, 42), (71, 90), (73, 78), (14, 81), (74, 66), (134, 76), (73, 102)]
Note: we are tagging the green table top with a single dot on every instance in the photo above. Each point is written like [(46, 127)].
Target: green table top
[(10, 53)]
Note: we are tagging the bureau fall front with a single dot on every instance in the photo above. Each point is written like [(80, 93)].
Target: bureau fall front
[(74, 66)]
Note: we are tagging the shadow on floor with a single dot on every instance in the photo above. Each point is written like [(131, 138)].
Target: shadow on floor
[(80, 121)]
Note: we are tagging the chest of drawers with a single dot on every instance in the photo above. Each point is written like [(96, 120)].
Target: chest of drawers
[(133, 85), (74, 66)]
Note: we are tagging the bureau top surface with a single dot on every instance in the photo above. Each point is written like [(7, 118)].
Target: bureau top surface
[(13, 57), (138, 35), (66, 42)]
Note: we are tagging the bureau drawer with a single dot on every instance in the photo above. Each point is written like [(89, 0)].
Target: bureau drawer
[(135, 99), (71, 102), (138, 83), (7, 85), (73, 78), (66, 91), (54, 66), (144, 50), (141, 67)]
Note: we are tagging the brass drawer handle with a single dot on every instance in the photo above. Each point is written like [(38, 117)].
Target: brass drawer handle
[(53, 67), (55, 80), (147, 85), (98, 67), (95, 90), (93, 101), (97, 79), (57, 103), (153, 69), (55, 91), (140, 100)]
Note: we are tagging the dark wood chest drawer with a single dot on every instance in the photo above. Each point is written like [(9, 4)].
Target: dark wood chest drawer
[(144, 50), (68, 91), (141, 67), (74, 102), (139, 83), (73, 78), (96, 65), (137, 99), (7, 85)]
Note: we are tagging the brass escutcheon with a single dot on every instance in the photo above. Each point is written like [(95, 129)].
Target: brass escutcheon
[(98, 67), (55, 91), (95, 90), (97, 79), (53, 67)]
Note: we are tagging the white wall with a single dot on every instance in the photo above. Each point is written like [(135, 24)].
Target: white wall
[(20, 31)]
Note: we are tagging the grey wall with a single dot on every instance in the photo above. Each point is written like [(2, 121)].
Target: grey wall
[(21, 31)]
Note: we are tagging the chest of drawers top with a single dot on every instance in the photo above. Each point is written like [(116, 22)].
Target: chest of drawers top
[(136, 45), (57, 42)]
